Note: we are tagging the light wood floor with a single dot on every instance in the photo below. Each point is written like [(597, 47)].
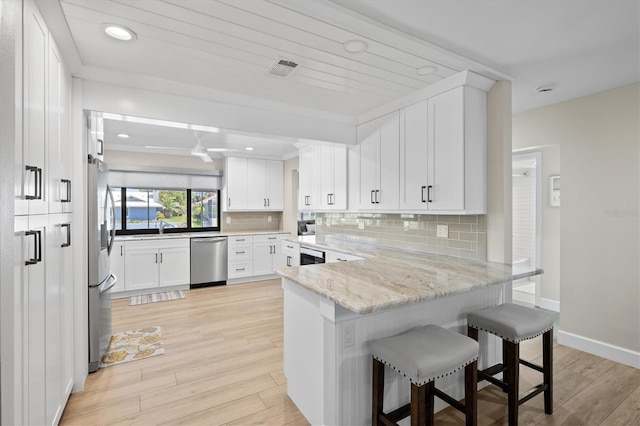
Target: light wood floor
[(223, 365)]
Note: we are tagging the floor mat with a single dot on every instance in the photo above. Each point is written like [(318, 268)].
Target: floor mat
[(133, 345), (156, 297)]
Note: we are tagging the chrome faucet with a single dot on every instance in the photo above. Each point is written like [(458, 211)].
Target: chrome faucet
[(161, 226)]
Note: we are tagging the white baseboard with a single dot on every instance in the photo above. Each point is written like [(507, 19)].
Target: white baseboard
[(602, 349), (550, 304)]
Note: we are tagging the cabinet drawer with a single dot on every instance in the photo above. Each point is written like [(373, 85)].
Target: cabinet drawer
[(240, 269), (269, 238), (240, 253), (240, 240), (335, 256)]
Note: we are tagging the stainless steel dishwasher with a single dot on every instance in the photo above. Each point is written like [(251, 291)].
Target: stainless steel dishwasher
[(208, 261)]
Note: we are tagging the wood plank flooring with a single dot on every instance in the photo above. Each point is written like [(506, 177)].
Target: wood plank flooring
[(223, 366)]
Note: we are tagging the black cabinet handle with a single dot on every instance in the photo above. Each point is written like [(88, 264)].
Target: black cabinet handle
[(101, 151), (239, 239), (121, 250), (341, 260), (377, 193), (67, 199), (37, 247), (239, 252), (156, 257), (37, 191), (288, 260), (160, 257), (239, 269), (429, 188), (229, 202), (268, 202), (422, 188), (272, 238), (372, 192), (68, 243), (307, 200)]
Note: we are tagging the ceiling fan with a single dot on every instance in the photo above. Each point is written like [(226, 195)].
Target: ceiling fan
[(199, 150)]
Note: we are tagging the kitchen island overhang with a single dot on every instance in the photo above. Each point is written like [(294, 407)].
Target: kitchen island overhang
[(333, 311)]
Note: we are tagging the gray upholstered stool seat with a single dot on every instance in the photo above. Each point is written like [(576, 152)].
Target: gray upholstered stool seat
[(426, 353), (515, 323), (511, 322), (423, 355)]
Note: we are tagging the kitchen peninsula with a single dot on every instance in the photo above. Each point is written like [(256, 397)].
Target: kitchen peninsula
[(332, 312)]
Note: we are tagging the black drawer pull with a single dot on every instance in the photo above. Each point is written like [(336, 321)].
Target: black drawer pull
[(68, 243)]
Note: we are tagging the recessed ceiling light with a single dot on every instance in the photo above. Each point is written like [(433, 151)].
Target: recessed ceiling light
[(355, 46), (249, 148), (119, 32), (428, 70), (122, 135)]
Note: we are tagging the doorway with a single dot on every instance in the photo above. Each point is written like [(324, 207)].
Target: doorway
[(526, 232)]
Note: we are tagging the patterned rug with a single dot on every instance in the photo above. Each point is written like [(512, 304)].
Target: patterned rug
[(133, 345), (156, 297)]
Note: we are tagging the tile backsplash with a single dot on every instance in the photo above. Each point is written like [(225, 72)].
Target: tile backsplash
[(251, 221), (467, 234)]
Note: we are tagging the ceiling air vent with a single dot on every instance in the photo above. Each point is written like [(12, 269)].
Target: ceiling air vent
[(282, 68)]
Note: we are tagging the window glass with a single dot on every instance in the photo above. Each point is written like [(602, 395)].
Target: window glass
[(117, 199), (204, 209), (173, 209)]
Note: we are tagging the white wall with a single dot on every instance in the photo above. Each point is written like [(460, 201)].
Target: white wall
[(599, 138)]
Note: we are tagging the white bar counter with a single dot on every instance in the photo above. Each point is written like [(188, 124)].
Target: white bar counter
[(333, 311)]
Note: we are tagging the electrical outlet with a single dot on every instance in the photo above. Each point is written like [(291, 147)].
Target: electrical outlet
[(361, 224), (319, 221), (348, 335), (228, 219), (269, 219), (442, 231)]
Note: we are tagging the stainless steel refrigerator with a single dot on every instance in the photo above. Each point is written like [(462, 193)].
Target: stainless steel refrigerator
[(101, 232)]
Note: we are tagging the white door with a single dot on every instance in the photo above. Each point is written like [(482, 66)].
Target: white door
[(413, 156), (236, 183), (116, 260), (387, 197), (340, 178), (446, 149), (263, 257), (256, 184), (174, 266), (369, 141), (275, 184), (308, 173), (326, 157), (31, 170), (141, 268)]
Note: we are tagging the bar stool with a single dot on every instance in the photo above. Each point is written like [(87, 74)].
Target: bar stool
[(423, 355), (513, 324)]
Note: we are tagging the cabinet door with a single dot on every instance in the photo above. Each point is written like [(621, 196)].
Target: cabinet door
[(308, 177), (141, 268), (326, 175), (236, 183), (116, 259), (414, 156), (277, 258), (54, 154), (95, 136), (446, 148), (67, 256), (263, 257), (31, 170), (174, 266), (66, 144), (275, 184), (369, 141), (340, 185), (389, 163), (256, 184)]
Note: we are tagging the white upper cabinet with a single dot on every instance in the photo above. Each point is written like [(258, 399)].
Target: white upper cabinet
[(308, 175), (95, 137), (236, 182), (442, 153), (333, 177), (379, 166), (253, 184)]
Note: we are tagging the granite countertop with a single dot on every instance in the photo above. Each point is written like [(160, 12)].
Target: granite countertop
[(389, 278), (193, 235)]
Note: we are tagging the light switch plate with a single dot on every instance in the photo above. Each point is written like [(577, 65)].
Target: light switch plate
[(442, 231), (269, 219), (228, 219)]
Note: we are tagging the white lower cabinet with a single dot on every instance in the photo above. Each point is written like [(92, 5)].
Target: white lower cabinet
[(335, 256), (44, 333), (156, 263), (290, 253), (240, 256), (116, 261), (266, 253)]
